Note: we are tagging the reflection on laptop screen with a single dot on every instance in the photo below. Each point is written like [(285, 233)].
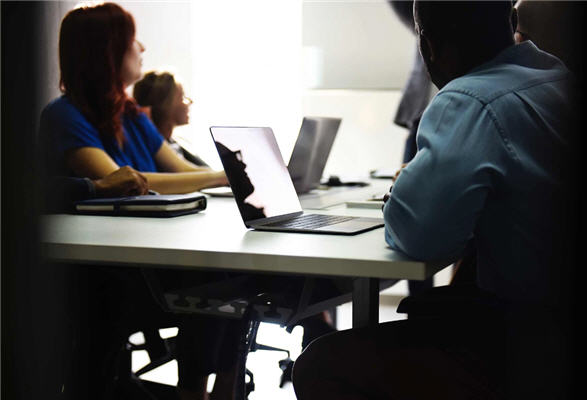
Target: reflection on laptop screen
[(255, 169)]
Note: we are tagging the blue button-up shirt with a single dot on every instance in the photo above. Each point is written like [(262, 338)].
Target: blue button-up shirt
[(493, 164)]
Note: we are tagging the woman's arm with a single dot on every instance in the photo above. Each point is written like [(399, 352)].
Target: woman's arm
[(184, 182), (167, 160), (95, 163), (90, 162), (181, 176)]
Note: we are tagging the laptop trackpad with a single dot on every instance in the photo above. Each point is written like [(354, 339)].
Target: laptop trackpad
[(354, 225)]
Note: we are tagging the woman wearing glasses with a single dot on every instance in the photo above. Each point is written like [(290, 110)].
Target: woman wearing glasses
[(169, 108)]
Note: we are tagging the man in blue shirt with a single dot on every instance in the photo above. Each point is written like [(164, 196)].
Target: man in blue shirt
[(493, 170), (493, 166)]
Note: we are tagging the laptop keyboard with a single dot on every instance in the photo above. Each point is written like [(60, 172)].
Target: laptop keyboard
[(310, 221)]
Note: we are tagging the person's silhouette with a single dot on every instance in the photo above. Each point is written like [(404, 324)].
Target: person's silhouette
[(241, 185)]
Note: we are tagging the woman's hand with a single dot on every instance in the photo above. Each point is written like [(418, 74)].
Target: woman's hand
[(122, 182)]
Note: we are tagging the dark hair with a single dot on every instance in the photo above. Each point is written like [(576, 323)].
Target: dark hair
[(470, 25), (156, 90), (92, 45)]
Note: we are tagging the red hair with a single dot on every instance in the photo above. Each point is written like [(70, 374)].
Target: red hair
[(92, 45)]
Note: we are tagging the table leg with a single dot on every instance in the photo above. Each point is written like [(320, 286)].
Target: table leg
[(365, 302)]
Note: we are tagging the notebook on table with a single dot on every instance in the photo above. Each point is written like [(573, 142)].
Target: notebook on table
[(169, 205), (264, 191), (309, 155)]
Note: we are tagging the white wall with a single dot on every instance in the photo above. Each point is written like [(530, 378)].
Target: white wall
[(164, 28), (247, 69), (363, 47), (367, 138), (49, 39), (363, 43)]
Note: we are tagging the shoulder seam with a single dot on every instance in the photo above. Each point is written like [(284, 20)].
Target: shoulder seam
[(491, 113), (464, 92)]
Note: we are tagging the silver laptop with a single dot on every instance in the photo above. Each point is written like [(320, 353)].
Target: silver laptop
[(311, 151), (263, 189)]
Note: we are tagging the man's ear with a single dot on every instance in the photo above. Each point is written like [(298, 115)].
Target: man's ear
[(426, 47)]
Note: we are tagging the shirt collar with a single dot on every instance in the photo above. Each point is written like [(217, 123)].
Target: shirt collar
[(509, 55), (525, 53)]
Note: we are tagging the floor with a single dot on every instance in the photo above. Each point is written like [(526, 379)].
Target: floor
[(265, 364)]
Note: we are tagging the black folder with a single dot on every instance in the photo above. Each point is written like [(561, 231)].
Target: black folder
[(160, 205)]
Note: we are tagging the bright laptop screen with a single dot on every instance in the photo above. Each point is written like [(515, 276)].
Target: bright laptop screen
[(255, 169)]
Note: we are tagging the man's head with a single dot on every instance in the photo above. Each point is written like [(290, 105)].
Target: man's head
[(455, 37), (554, 27)]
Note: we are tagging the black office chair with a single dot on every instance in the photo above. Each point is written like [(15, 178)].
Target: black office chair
[(162, 351), (253, 298), (216, 298)]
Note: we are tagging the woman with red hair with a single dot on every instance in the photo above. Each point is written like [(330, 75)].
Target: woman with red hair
[(95, 128)]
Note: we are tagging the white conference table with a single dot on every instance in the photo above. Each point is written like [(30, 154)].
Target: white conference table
[(216, 239)]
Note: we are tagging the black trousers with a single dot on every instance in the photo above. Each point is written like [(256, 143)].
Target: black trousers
[(442, 352)]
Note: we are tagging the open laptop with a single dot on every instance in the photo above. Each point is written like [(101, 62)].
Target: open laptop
[(263, 189), (308, 157), (311, 151)]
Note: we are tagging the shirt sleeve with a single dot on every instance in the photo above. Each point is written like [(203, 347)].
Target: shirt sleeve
[(69, 129), (61, 192), (438, 197)]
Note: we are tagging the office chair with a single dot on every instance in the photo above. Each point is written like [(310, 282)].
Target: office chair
[(215, 300), (254, 298), (162, 351)]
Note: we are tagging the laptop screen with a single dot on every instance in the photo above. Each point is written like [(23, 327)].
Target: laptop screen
[(311, 151), (255, 169)]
